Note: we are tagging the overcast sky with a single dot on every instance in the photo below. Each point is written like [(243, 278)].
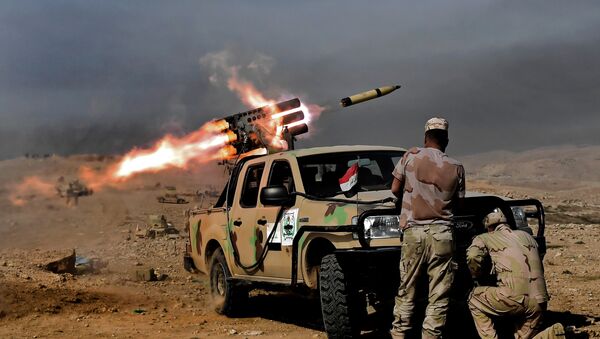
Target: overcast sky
[(106, 76)]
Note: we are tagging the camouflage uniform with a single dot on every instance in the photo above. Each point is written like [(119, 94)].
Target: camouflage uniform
[(521, 287), (432, 182)]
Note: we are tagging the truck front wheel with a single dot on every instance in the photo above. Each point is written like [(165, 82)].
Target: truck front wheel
[(338, 299), (227, 295)]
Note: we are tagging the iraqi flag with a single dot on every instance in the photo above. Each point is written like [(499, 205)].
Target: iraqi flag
[(350, 178)]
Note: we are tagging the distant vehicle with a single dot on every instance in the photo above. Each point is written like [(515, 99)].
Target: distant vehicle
[(159, 226), (171, 197), (72, 190)]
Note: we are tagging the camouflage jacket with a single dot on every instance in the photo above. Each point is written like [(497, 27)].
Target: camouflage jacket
[(432, 183), (514, 259)]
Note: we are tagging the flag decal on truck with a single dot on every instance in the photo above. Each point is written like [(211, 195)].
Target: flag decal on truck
[(350, 178)]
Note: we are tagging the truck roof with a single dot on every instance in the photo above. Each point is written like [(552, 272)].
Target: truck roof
[(338, 149)]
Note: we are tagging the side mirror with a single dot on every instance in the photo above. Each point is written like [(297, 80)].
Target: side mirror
[(275, 196)]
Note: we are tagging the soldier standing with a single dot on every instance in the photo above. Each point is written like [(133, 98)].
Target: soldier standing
[(521, 288), (430, 185)]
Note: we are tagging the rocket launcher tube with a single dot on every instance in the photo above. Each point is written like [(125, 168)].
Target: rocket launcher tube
[(217, 125), (292, 117), (299, 129), (368, 95), (281, 106), (231, 136)]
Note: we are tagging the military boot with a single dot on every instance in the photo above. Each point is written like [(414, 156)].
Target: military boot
[(556, 331)]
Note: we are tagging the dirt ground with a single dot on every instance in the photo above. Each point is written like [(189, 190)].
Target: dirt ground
[(110, 302)]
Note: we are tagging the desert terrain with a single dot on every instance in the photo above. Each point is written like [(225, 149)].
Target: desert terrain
[(36, 225)]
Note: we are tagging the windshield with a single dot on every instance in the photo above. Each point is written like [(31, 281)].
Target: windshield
[(321, 173)]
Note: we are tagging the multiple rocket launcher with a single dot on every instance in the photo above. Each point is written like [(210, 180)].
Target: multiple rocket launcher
[(253, 129), (249, 130)]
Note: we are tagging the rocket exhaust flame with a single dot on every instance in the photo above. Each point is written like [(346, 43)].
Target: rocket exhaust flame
[(249, 132), (173, 152), (213, 141), (223, 138), (218, 139)]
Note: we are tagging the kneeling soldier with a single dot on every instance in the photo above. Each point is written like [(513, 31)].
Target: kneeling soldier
[(521, 288)]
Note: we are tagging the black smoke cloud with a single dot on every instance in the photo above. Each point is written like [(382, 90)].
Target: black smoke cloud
[(103, 77)]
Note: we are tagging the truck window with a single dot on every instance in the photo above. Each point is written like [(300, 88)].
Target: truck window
[(251, 185), (281, 175), (321, 172)]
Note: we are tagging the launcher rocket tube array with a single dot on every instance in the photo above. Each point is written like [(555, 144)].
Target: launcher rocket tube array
[(250, 117), (368, 95), (244, 129)]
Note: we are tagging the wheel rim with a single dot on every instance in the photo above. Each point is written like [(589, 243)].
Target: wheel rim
[(220, 281)]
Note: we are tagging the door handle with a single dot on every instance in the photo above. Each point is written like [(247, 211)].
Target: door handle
[(262, 221), (237, 222)]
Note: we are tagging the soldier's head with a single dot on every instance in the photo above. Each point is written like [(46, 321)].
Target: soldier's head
[(436, 133), (494, 219)]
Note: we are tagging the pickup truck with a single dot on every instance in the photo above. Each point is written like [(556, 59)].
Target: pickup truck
[(283, 221)]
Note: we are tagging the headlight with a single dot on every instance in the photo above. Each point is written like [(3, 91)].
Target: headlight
[(382, 226), (520, 217)]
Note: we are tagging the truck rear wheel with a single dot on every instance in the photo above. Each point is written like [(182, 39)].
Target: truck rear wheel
[(338, 299), (227, 295)]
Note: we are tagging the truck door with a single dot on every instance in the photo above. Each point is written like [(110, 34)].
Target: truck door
[(246, 237), (253, 222), (278, 260)]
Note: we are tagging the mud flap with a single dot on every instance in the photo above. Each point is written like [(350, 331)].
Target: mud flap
[(188, 264)]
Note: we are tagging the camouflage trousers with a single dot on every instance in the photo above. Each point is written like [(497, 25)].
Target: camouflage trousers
[(426, 253), (486, 302)]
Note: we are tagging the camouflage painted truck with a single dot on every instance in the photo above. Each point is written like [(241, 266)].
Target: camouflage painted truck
[(282, 221)]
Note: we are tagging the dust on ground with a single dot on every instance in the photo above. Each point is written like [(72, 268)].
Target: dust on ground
[(110, 302)]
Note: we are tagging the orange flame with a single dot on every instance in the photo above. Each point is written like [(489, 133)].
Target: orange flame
[(246, 91), (171, 152), (209, 143), (206, 144)]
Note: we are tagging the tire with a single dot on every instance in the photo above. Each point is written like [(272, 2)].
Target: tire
[(161, 200), (338, 299), (228, 297)]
